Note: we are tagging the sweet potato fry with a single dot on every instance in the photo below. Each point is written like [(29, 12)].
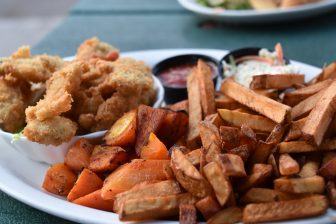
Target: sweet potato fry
[(130, 174), (107, 158), (280, 81), (86, 183), (270, 108), (187, 214), (310, 167), (155, 207), (320, 117), (260, 172), (287, 165), (227, 215), (149, 120), (262, 195), (331, 192), (211, 140), (295, 97), (219, 182), (206, 88), (122, 132), (94, 200), (284, 210), (162, 188), (195, 110), (314, 184), (174, 125), (232, 165), (78, 156), (194, 157), (154, 149), (208, 206), (188, 176), (59, 179), (256, 122)]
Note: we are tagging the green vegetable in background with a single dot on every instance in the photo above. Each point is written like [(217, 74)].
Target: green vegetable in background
[(227, 4)]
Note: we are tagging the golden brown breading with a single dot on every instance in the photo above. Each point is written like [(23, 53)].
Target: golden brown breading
[(53, 131), (12, 107), (58, 97), (94, 48)]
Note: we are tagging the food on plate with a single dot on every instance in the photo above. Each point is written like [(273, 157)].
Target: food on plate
[(251, 162), (52, 100), (254, 4)]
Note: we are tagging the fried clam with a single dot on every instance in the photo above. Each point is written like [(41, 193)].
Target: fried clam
[(94, 48)]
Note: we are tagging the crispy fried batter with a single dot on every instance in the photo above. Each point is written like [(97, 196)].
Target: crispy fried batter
[(94, 48)]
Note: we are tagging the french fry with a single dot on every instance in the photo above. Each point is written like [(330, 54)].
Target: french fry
[(314, 184), (304, 107), (260, 172), (328, 169), (227, 215), (284, 210), (331, 192), (255, 122), (279, 81), (310, 167), (182, 105), (232, 165), (276, 134), (154, 207), (187, 214), (214, 119), (122, 132), (261, 153), (149, 120), (130, 174), (208, 206), (78, 156), (328, 156), (195, 110), (295, 97), (320, 117), (329, 72), (86, 183), (270, 108), (287, 165), (211, 140), (295, 130), (206, 88), (194, 157), (162, 188), (243, 151), (225, 102), (107, 158), (230, 136), (296, 147), (272, 161), (262, 195), (219, 182), (188, 176), (270, 93)]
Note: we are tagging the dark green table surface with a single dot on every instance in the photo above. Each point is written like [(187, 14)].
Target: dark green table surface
[(153, 24)]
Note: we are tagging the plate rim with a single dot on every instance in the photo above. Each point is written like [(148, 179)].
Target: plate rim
[(57, 202)]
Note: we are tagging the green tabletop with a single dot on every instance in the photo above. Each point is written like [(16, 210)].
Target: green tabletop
[(152, 24)]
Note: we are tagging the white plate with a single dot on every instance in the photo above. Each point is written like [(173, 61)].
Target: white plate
[(21, 178), (261, 16)]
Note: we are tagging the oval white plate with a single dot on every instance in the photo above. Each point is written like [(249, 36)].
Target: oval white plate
[(21, 178), (261, 16)]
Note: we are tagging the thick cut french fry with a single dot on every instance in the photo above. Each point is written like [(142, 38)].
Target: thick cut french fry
[(214, 119), (208, 206), (314, 184), (182, 105), (187, 214), (194, 157), (211, 140), (276, 134), (227, 215), (328, 156), (331, 192), (329, 72), (162, 188), (195, 110), (304, 107), (296, 147), (272, 161), (230, 136), (206, 88), (154, 207), (295, 97), (232, 165), (260, 172), (320, 117), (262, 195), (243, 151), (256, 122), (295, 130), (262, 152), (280, 81), (188, 176), (225, 102), (310, 167), (270, 108), (328, 169), (287, 165), (284, 210), (219, 182), (270, 93)]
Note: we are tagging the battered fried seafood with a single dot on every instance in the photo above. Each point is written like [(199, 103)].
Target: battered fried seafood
[(94, 48)]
